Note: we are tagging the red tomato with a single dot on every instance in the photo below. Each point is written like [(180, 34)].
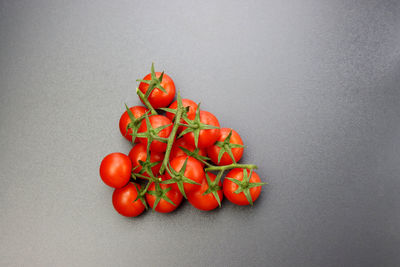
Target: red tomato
[(237, 152), (156, 121), (206, 137), (194, 171), (124, 121), (208, 201), (139, 153), (123, 201), (163, 205), (115, 170), (186, 103), (158, 98), (230, 187), (176, 151)]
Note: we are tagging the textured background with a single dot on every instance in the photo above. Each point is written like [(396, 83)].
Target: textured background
[(312, 86)]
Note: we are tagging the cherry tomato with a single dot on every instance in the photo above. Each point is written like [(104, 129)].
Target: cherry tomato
[(115, 170), (156, 121), (124, 121), (208, 201), (230, 187), (207, 137), (237, 152), (123, 201), (194, 171), (158, 98), (139, 153), (176, 151), (163, 205), (186, 103)]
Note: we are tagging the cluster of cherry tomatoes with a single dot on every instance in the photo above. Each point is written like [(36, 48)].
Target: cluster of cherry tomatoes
[(181, 154)]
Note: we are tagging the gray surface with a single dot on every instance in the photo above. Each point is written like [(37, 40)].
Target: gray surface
[(318, 81)]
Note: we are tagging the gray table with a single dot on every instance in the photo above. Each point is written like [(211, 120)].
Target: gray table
[(312, 86)]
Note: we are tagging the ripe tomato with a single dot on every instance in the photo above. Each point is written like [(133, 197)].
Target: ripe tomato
[(207, 137), (186, 103), (208, 201), (123, 201), (115, 170), (156, 121), (158, 98), (164, 192), (230, 187), (237, 152), (139, 153), (194, 171), (124, 121), (176, 151)]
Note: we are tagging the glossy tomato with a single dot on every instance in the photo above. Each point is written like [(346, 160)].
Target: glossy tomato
[(186, 103), (156, 121), (176, 150), (115, 170), (208, 201), (158, 98), (230, 187), (139, 153), (164, 192), (194, 171), (124, 121), (124, 201), (237, 152), (207, 137)]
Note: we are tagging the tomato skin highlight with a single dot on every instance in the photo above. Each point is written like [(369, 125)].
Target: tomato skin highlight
[(137, 112), (186, 103), (206, 137), (123, 201), (194, 171), (176, 151), (230, 187), (139, 153), (156, 121), (115, 170), (237, 152), (208, 201), (157, 98), (164, 206)]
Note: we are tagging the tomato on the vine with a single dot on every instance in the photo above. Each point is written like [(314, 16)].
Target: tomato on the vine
[(235, 144), (165, 194), (115, 170), (139, 153), (192, 171), (124, 121), (207, 137), (207, 201), (176, 150), (158, 98), (186, 103), (156, 121), (251, 187), (124, 201)]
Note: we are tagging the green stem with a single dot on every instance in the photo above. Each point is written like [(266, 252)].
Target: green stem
[(231, 166), (173, 133), (146, 101)]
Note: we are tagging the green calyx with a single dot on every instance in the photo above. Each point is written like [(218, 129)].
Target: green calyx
[(154, 83), (226, 146), (134, 124), (245, 185), (213, 186), (195, 154), (160, 193), (179, 177), (195, 126), (141, 194)]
